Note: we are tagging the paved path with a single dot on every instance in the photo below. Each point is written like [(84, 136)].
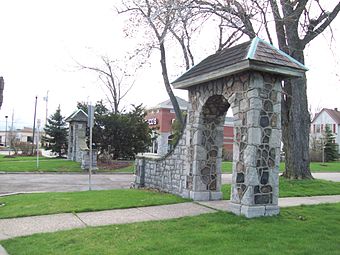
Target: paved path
[(32, 182), (335, 177), (24, 226)]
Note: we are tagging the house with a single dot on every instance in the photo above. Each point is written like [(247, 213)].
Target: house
[(21, 135), (160, 119), (326, 117)]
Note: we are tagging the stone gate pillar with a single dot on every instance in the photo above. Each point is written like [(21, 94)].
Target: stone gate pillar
[(256, 154), (248, 79)]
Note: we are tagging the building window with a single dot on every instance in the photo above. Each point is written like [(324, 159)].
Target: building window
[(170, 142), (313, 128), (334, 128), (318, 130)]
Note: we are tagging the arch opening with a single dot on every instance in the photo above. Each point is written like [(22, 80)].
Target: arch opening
[(212, 120)]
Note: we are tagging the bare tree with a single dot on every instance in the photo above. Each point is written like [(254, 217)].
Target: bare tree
[(113, 79), (164, 18), (295, 27)]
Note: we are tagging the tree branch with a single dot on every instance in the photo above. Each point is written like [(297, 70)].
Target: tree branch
[(320, 25)]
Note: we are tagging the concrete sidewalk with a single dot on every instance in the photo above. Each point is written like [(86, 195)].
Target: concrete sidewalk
[(24, 226)]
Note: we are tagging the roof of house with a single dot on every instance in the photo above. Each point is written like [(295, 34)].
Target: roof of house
[(78, 115), (255, 54), (229, 120), (183, 104), (333, 113)]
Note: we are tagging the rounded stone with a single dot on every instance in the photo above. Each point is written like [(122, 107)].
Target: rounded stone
[(264, 121), (266, 189), (265, 139), (264, 178), (268, 106)]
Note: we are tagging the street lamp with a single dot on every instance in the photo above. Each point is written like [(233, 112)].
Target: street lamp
[(6, 132)]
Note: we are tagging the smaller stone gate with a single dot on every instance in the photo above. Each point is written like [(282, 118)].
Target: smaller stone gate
[(77, 148), (246, 79)]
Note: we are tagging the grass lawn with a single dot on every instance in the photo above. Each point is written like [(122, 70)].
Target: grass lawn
[(299, 188), (297, 230), (45, 165), (85, 201), (58, 202), (29, 164), (314, 166)]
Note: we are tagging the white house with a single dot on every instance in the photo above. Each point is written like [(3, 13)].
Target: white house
[(326, 117)]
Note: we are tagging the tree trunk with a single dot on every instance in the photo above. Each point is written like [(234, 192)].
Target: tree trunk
[(168, 86), (295, 131), (296, 122)]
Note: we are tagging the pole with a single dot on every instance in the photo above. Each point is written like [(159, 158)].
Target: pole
[(46, 115), (90, 116), (90, 168), (38, 122), (35, 114), (13, 135), (6, 117)]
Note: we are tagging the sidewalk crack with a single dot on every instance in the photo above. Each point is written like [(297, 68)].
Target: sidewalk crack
[(153, 216), (76, 215)]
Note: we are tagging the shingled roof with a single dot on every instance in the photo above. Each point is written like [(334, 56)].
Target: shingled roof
[(183, 104), (334, 114), (78, 116), (255, 54)]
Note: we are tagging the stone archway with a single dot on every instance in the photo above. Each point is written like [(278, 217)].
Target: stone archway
[(213, 115), (247, 79)]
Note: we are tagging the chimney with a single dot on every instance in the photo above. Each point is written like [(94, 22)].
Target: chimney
[(336, 109)]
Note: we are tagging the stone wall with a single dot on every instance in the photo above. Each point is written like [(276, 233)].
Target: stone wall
[(85, 161), (193, 169), (77, 141), (166, 173), (256, 159)]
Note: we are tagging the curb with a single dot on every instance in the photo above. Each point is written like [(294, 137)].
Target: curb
[(3, 251)]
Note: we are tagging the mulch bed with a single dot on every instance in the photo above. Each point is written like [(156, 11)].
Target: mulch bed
[(109, 165)]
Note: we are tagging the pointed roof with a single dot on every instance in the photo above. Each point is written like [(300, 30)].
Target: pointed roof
[(183, 104), (78, 116), (334, 114), (252, 55)]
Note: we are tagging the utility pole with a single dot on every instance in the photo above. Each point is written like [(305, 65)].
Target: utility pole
[(6, 117), (38, 122), (12, 135), (35, 114), (46, 100), (90, 125)]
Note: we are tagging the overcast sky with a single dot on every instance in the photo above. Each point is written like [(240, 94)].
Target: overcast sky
[(40, 41)]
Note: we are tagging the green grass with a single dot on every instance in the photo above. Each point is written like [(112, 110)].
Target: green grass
[(3, 158), (29, 164), (299, 188), (51, 203), (45, 165), (297, 230), (314, 166), (85, 201)]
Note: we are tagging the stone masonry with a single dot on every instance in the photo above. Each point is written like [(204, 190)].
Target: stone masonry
[(193, 169), (77, 148), (246, 78)]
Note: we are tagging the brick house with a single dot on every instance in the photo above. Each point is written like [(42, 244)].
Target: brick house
[(160, 119)]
